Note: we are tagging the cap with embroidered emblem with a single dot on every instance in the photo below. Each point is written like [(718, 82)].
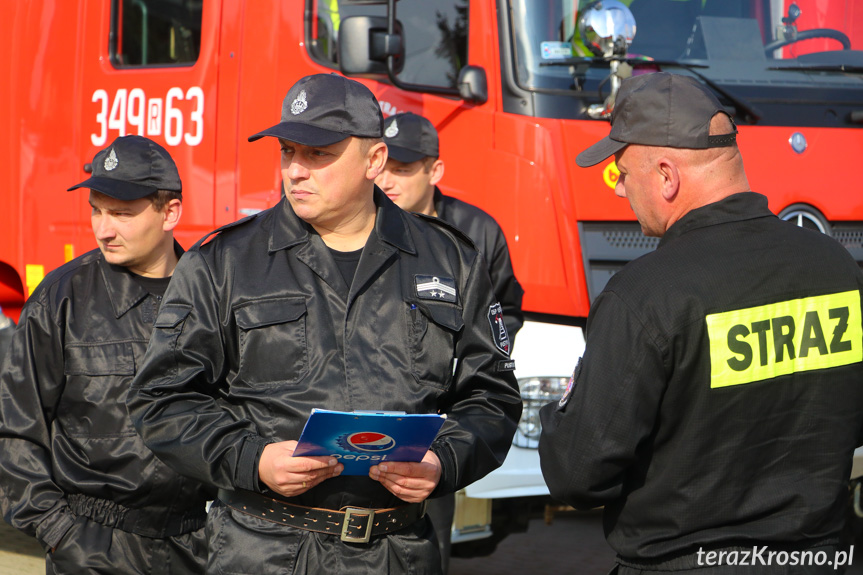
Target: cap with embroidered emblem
[(660, 109), (323, 109), (132, 167), (410, 137)]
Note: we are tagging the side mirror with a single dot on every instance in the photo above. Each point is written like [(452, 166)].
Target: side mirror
[(473, 84), (364, 46), (375, 46)]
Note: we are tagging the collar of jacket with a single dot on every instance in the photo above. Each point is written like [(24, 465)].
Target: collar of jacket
[(390, 225), (123, 291), (734, 208), (439, 204)]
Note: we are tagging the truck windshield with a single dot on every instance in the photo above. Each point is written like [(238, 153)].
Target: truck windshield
[(742, 44)]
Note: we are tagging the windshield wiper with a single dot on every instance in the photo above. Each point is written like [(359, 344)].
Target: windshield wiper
[(750, 113), (851, 68), (589, 60)]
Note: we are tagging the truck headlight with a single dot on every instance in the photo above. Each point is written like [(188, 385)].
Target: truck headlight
[(536, 392)]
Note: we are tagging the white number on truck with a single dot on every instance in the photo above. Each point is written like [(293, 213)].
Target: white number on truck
[(179, 115)]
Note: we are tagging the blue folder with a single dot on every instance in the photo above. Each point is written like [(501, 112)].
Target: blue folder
[(360, 439)]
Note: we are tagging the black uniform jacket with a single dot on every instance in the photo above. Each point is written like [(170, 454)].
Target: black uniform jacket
[(64, 428), (491, 243), (258, 327), (720, 395)]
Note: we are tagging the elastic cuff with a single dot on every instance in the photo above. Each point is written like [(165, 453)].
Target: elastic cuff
[(448, 474), (246, 476)]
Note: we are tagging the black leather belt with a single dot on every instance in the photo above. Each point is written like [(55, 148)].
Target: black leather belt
[(351, 524)]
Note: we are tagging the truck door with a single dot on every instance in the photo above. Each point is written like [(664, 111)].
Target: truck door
[(150, 68)]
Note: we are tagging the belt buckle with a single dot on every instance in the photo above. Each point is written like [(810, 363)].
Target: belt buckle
[(350, 511)]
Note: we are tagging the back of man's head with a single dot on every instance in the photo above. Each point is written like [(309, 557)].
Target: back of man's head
[(683, 142)]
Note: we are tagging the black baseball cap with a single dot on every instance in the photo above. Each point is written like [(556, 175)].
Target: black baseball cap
[(323, 109), (660, 109), (131, 168), (410, 137)]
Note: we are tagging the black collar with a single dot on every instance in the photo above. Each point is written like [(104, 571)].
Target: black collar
[(124, 292), (734, 208), (390, 225)]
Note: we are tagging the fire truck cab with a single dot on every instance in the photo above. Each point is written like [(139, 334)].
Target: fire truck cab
[(516, 88)]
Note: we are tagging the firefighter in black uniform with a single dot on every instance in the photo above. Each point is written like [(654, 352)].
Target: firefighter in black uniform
[(410, 179), (718, 401), (336, 299), (73, 472)]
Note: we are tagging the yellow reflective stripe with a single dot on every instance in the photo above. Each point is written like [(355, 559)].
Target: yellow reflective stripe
[(763, 342)]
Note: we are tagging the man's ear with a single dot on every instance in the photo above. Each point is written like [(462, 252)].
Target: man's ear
[(377, 160), (436, 172), (172, 211), (670, 173)]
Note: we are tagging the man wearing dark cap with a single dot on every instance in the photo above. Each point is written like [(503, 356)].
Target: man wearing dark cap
[(73, 472), (335, 299), (410, 179), (718, 402)]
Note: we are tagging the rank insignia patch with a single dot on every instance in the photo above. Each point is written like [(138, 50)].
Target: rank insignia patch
[(498, 329), (569, 386), (436, 289)]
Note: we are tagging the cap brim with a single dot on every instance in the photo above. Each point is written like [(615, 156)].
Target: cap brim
[(404, 155), (118, 189), (600, 151), (301, 134)]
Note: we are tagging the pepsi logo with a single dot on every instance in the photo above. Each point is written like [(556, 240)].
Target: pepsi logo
[(370, 441)]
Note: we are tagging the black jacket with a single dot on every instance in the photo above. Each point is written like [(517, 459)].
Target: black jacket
[(719, 398), (258, 327), (491, 243), (64, 428)]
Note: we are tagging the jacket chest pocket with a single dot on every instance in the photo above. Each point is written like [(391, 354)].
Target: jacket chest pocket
[(98, 376), (272, 338), (100, 359), (433, 329)]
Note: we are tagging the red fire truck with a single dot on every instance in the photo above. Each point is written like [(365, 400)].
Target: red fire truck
[(516, 89)]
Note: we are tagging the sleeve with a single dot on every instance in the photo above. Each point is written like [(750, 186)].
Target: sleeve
[(173, 401), (590, 438), (506, 287), (31, 385), (486, 404)]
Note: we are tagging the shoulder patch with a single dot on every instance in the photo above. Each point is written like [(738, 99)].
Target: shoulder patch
[(569, 386), (498, 328)]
